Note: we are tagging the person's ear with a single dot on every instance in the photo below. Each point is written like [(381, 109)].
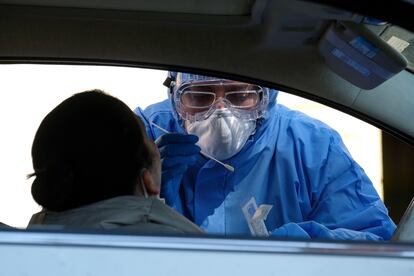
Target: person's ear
[(150, 184)]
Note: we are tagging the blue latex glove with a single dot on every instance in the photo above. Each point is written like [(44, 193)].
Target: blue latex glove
[(177, 152), (312, 229), (290, 230)]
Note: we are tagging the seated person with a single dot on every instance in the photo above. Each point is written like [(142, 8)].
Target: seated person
[(95, 168)]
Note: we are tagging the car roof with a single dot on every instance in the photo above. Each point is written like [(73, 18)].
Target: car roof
[(270, 42)]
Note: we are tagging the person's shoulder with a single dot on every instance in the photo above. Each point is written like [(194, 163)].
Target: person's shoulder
[(315, 139), (153, 110), (165, 215), (300, 122), (163, 107)]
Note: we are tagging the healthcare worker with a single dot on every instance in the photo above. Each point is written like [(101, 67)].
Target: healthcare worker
[(281, 158)]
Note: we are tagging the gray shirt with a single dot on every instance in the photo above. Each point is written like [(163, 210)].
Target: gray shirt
[(129, 213)]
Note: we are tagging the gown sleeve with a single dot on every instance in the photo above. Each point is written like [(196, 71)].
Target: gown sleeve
[(345, 205)]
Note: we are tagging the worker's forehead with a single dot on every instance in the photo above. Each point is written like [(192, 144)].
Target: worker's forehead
[(184, 77), (216, 83), (194, 79)]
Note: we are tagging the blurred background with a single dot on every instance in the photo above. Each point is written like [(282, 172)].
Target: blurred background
[(29, 92)]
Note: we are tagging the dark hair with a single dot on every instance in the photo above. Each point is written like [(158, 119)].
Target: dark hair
[(89, 148)]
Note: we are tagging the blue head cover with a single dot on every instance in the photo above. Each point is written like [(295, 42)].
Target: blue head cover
[(177, 79)]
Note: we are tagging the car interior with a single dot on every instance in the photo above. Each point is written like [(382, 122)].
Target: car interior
[(355, 58)]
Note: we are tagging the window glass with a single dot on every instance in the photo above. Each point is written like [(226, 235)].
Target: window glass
[(29, 92)]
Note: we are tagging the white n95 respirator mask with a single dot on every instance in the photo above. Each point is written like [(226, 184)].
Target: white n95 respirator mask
[(222, 135)]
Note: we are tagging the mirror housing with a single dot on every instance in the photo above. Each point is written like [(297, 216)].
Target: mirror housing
[(359, 56)]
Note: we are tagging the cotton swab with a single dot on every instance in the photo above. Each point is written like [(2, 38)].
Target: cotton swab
[(227, 166)]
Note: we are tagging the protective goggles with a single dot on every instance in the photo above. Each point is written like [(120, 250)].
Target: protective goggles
[(196, 101)]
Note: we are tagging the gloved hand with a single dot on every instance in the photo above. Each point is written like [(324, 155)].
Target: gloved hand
[(313, 229), (290, 230), (177, 152)]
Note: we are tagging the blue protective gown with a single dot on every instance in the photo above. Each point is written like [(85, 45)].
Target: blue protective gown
[(293, 162)]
